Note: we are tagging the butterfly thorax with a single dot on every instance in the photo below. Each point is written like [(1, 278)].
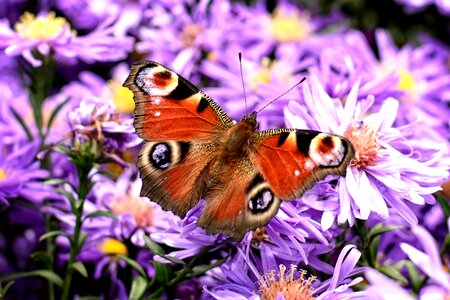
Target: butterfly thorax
[(239, 137)]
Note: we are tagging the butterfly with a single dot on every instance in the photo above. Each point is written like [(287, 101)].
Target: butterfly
[(192, 150)]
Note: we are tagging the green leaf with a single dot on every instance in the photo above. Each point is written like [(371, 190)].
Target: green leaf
[(393, 273), (379, 229), (134, 264), (4, 290), (154, 247), (101, 213), (373, 251), (51, 234), (69, 196), (80, 268), (49, 275), (163, 272), (202, 269), (43, 257), (22, 123), (138, 288), (55, 113), (173, 259), (445, 205), (83, 237), (414, 275)]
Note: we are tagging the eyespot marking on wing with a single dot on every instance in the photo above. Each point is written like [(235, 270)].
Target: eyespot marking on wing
[(156, 80)]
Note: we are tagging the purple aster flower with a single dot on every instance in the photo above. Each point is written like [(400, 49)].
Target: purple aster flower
[(424, 81), (21, 175), (264, 80), (390, 168), (384, 288), (95, 119), (430, 263), (288, 26), (177, 33), (341, 64), (46, 34), (242, 279), (90, 14), (412, 6)]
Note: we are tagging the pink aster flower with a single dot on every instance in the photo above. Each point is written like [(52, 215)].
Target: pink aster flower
[(34, 37), (390, 169)]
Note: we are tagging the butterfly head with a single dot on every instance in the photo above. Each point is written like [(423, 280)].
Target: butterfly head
[(250, 121)]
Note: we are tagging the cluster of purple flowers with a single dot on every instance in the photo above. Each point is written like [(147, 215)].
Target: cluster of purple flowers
[(73, 224)]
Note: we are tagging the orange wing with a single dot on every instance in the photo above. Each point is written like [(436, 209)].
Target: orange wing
[(291, 160), (169, 107), (181, 127)]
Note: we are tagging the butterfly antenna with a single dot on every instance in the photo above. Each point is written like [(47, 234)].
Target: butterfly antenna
[(301, 80), (243, 84)]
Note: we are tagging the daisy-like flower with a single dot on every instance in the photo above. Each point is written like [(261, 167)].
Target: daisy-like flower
[(264, 80), (95, 119), (242, 279), (21, 175), (384, 288), (412, 6), (34, 37), (110, 91), (260, 32), (430, 263), (424, 79), (388, 169), (176, 34), (88, 15)]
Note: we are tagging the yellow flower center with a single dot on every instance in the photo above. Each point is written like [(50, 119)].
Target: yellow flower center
[(267, 70), (122, 97), (40, 28), (299, 289), (139, 208), (407, 82), (110, 246), (2, 174), (365, 141), (290, 26)]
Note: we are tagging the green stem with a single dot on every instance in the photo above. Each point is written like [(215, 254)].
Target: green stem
[(74, 244), (181, 275), (50, 251)]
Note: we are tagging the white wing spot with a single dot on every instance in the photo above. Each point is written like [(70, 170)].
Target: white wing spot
[(296, 172)]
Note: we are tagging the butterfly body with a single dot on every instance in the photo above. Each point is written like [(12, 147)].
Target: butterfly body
[(192, 150)]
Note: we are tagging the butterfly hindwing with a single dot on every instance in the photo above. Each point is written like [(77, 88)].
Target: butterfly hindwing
[(241, 200), (169, 107), (292, 160)]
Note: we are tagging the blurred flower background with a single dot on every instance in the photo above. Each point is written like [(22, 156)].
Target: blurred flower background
[(72, 223)]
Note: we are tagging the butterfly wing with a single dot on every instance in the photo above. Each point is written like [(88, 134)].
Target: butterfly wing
[(293, 160), (181, 127), (240, 201)]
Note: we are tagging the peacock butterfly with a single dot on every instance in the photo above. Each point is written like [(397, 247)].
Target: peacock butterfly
[(193, 150)]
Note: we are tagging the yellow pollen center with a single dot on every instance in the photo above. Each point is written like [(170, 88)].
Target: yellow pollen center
[(290, 26), (2, 174), (40, 28), (365, 141), (122, 97), (406, 82), (290, 288), (110, 246), (139, 208)]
